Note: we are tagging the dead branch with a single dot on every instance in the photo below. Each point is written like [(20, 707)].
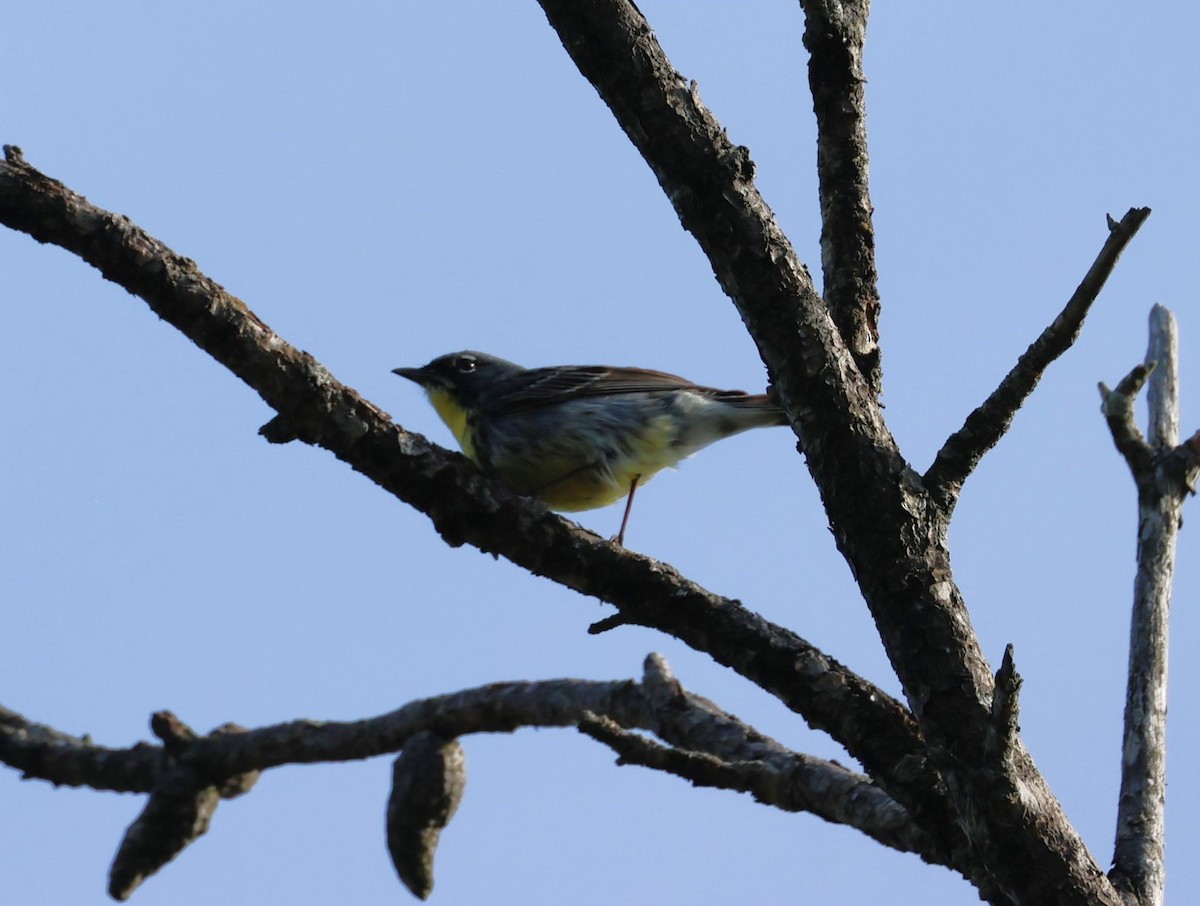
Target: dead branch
[(984, 427)]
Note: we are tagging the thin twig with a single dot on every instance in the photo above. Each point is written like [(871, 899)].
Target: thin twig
[(984, 427), (1117, 408)]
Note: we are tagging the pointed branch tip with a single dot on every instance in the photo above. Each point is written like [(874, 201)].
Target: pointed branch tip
[(1002, 734)]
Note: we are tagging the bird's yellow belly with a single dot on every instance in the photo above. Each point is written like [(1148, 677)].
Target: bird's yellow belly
[(581, 472)]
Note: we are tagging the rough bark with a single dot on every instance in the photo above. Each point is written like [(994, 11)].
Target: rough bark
[(834, 35), (466, 506), (887, 526), (188, 775), (1164, 472), (952, 760)]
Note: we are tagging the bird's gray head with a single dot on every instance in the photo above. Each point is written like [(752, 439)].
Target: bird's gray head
[(464, 375)]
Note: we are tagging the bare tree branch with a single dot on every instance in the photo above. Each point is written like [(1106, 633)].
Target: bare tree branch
[(1162, 395), (466, 506), (798, 783), (693, 724), (984, 427), (1164, 472), (710, 183), (690, 721), (889, 529), (190, 773), (494, 708), (43, 753), (179, 811), (794, 782), (1117, 407), (834, 35)]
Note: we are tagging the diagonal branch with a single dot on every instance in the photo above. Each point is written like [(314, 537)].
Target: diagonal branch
[(834, 35), (984, 427), (1117, 408), (466, 506), (701, 734), (890, 530), (709, 181), (793, 783)]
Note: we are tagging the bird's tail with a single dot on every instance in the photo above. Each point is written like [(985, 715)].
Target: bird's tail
[(763, 404)]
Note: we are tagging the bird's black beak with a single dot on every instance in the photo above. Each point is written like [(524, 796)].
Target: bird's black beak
[(417, 375)]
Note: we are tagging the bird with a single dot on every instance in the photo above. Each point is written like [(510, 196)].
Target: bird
[(580, 437)]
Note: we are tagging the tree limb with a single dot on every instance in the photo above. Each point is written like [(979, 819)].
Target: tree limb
[(1117, 408), (984, 427), (43, 753), (467, 506), (834, 35), (799, 783), (189, 773), (1164, 472), (710, 183), (179, 811), (889, 529)]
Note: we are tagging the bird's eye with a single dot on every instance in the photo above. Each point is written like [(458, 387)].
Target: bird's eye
[(465, 364)]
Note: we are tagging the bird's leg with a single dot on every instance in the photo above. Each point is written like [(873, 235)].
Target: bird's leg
[(628, 506)]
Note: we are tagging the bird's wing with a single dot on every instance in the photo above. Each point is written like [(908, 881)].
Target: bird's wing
[(539, 387)]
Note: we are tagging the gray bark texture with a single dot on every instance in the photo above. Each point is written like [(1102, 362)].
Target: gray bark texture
[(945, 772)]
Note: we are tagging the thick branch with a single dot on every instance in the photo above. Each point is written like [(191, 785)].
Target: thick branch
[(1164, 473), (834, 35), (710, 183), (984, 427), (892, 534), (466, 506)]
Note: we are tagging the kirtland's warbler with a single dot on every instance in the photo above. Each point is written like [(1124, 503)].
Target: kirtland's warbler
[(580, 436)]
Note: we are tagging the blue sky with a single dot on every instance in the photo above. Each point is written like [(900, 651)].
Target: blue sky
[(394, 181)]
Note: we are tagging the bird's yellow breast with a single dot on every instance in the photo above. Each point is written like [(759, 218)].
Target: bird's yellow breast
[(455, 417)]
